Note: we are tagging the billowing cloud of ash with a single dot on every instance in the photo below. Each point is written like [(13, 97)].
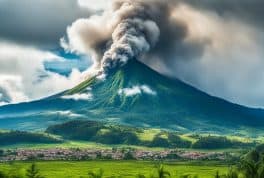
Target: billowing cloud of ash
[(131, 29), (131, 38)]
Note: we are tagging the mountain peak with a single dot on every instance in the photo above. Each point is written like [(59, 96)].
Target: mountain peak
[(143, 96), (137, 95)]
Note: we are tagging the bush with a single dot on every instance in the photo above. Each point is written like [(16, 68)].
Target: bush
[(129, 156), (33, 172)]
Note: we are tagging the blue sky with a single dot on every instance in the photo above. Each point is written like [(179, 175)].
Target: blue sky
[(71, 61), (226, 37)]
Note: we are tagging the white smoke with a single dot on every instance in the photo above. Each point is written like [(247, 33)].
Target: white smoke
[(23, 76)]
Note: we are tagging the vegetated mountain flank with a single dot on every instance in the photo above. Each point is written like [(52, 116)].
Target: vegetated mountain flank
[(116, 134), (138, 96), (21, 137)]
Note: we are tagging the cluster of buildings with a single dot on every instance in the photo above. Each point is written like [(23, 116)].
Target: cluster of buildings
[(113, 154)]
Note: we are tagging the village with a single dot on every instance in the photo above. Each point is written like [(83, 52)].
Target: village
[(109, 154)]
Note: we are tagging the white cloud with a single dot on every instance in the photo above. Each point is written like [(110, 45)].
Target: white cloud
[(136, 90), (65, 113), (147, 90), (77, 97), (12, 86), (130, 91), (94, 4), (3, 103), (23, 76)]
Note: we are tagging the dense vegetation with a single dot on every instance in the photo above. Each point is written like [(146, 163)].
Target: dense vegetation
[(99, 132), (18, 137), (110, 134), (216, 142), (94, 131)]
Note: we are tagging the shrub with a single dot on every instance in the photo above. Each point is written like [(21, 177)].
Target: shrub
[(33, 172), (96, 174)]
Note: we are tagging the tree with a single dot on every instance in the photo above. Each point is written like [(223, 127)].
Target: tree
[(162, 173), (2, 175), (1, 153), (97, 174), (217, 175), (189, 176), (140, 176), (129, 156), (33, 172), (232, 173), (253, 165)]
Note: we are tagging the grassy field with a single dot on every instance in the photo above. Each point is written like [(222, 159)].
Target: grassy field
[(126, 169)]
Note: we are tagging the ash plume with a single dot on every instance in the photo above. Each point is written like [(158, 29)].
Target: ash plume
[(129, 30), (131, 38)]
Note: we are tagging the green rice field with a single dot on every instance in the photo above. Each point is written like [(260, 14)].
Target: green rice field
[(126, 169)]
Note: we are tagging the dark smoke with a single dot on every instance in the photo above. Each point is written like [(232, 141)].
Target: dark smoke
[(249, 11)]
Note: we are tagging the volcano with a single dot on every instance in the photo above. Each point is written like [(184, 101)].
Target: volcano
[(138, 96)]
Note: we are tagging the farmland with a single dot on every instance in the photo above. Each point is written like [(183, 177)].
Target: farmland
[(61, 169)]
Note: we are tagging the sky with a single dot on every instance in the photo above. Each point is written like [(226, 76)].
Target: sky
[(213, 45)]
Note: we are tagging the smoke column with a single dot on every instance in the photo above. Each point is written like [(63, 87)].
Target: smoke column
[(129, 30), (133, 36)]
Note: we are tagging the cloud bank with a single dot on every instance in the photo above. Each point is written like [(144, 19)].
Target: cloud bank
[(23, 76), (38, 22)]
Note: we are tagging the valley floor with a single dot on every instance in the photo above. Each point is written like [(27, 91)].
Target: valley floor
[(126, 169)]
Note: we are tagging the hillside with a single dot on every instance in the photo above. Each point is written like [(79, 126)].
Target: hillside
[(138, 96), (18, 137), (121, 135)]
